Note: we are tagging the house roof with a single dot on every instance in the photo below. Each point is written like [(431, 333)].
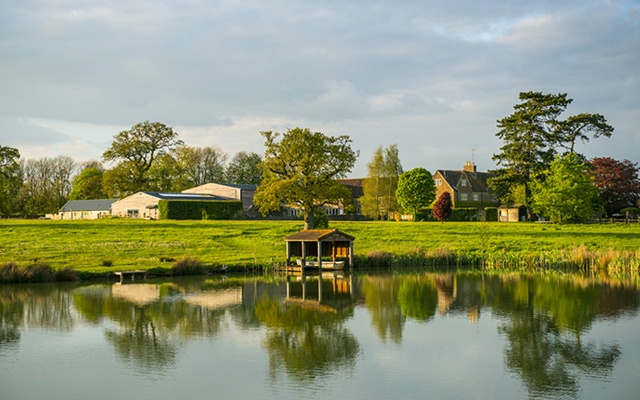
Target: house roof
[(319, 235), (477, 180), (356, 185), (88, 205), (185, 196)]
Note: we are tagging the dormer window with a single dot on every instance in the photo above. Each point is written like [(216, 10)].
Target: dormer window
[(438, 182), (463, 182)]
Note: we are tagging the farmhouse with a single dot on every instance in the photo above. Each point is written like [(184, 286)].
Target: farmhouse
[(145, 204), (468, 187), (228, 191), (86, 209)]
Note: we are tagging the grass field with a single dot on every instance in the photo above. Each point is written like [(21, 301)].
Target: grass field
[(102, 246)]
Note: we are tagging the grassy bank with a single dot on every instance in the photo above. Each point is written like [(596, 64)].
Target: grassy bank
[(104, 246)]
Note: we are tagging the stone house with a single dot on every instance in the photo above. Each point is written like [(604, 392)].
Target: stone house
[(468, 187)]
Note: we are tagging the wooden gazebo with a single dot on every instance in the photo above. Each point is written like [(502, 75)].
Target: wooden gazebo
[(320, 243)]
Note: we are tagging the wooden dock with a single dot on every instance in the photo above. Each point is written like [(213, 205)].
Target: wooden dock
[(132, 274)]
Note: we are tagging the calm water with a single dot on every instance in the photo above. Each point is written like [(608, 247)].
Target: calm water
[(364, 336)]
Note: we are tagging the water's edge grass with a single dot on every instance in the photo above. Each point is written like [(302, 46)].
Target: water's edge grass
[(94, 249)]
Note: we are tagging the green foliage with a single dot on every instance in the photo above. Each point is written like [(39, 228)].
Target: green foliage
[(244, 169), (195, 209), (35, 272), (531, 136), (418, 298), (565, 191), (301, 169), (10, 180), (379, 198), (320, 219), (136, 150), (491, 213), (87, 185), (416, 189), (464, 214), (46, 184)]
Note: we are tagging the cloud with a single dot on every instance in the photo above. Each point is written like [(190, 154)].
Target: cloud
[(420, 74)]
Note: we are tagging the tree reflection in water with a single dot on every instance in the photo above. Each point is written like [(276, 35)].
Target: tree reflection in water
[(306, 335)]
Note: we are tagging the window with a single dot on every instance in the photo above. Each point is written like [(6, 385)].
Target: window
[(132, 213), (463, 197), (438, 182), (463, 182), (476, 197)]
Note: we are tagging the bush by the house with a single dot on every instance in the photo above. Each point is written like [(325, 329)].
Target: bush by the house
[(194, 209), (491, 213)]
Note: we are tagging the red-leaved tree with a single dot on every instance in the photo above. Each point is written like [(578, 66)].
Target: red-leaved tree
[(617, 181), (443, 207)]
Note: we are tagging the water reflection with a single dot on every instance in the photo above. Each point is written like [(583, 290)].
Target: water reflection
[(304, 321)]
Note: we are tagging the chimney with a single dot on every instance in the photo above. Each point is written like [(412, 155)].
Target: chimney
[(469, 166)]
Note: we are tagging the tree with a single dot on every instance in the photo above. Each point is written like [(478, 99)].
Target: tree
[(379, 188), (416, 189), (46, 184), (10, 180), (200, 165), (302, 169), (617, 182), (137, 149), (565, 191), (443, 207), (531, 136), (87, 185), (243, 169)]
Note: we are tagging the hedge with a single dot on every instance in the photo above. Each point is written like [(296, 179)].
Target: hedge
[(491, 213), (459, 214), (198, 209)]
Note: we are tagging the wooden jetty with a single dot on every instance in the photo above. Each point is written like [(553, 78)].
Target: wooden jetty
[(132, 274)]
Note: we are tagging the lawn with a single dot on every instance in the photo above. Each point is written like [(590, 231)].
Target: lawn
[(91, 245)]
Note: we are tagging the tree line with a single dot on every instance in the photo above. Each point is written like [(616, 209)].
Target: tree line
[(538, 167), (147, 157)]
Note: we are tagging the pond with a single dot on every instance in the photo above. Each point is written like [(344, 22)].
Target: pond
[(408, 335)]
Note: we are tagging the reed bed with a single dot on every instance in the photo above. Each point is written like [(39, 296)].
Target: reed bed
[(35, 272)]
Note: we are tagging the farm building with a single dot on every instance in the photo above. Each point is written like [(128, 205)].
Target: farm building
[(228, 191), (86, 209), (145, 204)]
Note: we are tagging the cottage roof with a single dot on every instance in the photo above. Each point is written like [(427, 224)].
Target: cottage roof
[(319, 235), (476, 180), (88, 205)]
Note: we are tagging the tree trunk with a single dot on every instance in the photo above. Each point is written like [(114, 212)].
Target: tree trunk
[(308, 219)]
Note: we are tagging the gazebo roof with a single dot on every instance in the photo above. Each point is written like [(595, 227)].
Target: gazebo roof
[(319, 235)]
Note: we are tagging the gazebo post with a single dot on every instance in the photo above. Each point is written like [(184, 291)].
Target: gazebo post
[(320, 255), (351, 254), (304, 254), (288, 253)]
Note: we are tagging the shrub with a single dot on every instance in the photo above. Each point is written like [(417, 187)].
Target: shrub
[(379, 258), (107, 262), (443, 207), (188, 266), (166, 259), (491, 213), (38, 271), (66, 274)]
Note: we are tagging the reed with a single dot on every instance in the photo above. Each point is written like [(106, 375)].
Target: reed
[(36, 272), (188, 266)]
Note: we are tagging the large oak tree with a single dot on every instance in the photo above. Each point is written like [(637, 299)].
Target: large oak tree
[(135, 151), (302, 169)]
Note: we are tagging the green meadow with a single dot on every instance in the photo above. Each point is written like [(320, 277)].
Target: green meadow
[(104, 246)]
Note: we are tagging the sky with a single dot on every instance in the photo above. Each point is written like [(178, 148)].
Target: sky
[(432, 77)]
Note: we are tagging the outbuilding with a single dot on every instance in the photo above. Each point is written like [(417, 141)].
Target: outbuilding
[(319, 243)]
